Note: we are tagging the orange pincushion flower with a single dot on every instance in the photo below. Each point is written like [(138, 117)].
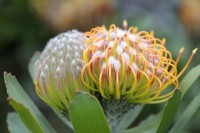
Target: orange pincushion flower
[(130, 64)]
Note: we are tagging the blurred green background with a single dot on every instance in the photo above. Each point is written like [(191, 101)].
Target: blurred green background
[(26, 26)]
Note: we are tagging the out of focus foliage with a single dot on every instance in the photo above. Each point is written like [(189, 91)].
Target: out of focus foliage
[(26, 26), (190, 16), (66, 14), (20, 35)]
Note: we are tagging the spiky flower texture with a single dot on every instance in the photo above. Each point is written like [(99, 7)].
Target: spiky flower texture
[(119, 64), (131, 65), (57, 71)]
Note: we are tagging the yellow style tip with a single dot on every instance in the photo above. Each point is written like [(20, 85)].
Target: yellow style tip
[(182, 49), (195, 50), (125, 24), (152, 33), (163, 41)]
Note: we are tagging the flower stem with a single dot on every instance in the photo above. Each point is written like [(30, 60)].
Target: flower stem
[(115, 110)]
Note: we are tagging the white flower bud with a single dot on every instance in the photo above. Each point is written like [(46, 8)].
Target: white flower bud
[(58, 63)]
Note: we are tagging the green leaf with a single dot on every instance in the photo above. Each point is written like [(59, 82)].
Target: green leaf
[(32, 64), (25, 107), (186, 115), (189, 79), (169, 112), (15, 124), (27, 117), (31, 71), (147, 126), (130, 117), (86, 114)]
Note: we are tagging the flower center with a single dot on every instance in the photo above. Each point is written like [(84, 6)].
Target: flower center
[(129, 63)]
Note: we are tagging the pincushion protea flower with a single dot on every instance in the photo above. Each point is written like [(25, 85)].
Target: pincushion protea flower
[(57, 71), (131, 65)]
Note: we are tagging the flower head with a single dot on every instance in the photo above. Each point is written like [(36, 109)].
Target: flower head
[(57, 71), (129, 64)]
